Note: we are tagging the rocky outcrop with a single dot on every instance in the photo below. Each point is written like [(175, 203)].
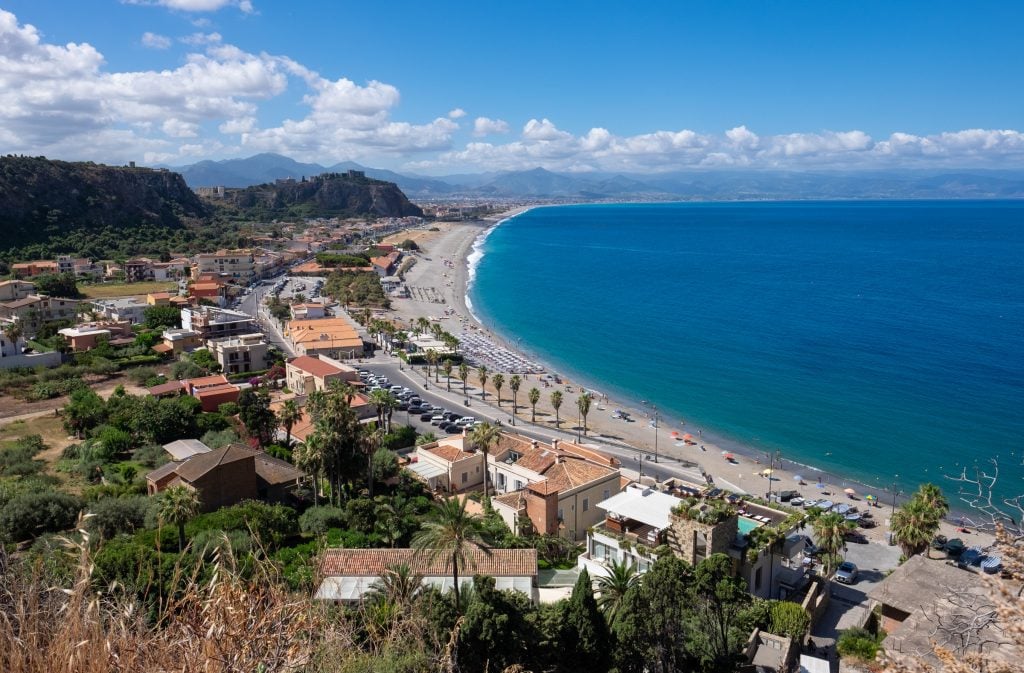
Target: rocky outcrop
[(326, 195)]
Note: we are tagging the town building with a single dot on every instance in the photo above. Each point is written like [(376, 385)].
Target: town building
[(386, 265), (239, 354), (33, 269), (237, 265), (696, 521), (308, 311), (36, 310), (346, 575), (211, 391), (228, 476), (138, 270), (15, 290), (12, 352), (552, 488), (306, 374), (365, 411), (449, 465), (212, 322), (86, 336), (209, 288), (118, 310), (334, 337), (926, 601), (179, 340)]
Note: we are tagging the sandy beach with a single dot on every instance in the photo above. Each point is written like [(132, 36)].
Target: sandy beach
[(438, 282)]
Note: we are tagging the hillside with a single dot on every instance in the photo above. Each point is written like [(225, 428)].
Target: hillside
[(44, 201), (329, 194)]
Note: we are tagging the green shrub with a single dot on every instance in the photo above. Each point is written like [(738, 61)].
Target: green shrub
[(317, 520), (19, 459), (30, 514), (151, 455), (118, 515), (788, 619), (859, 643)]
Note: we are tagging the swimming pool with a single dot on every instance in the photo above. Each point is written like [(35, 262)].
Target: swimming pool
[(746, 525)]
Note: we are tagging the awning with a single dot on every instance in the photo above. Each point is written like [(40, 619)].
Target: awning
[(426, 470)]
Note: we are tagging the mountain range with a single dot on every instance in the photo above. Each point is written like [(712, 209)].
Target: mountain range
[(540, 184)]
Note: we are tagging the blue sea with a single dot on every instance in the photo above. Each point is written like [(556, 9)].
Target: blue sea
[(882, 341)]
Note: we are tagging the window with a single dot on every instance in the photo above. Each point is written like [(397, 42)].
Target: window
[(757, 579), (605, 495), (586, 504), (560, 517), (465, 477), (519, 485)]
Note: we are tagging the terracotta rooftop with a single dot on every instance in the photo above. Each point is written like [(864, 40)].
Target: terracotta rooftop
[(450, 450), (573, 472), (314, 366), (374, 562), (166, 388)]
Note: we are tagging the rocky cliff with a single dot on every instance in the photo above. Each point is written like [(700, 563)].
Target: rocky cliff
[(326, 195), (42, 200)]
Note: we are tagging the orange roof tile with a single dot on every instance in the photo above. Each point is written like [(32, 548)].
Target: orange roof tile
[(314, 366), (374, 562)]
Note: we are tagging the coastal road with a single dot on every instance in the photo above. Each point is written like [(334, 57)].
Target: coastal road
[(252, 303), (437, 394)]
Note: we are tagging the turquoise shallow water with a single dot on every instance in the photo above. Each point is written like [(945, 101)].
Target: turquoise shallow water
[(871, 339)]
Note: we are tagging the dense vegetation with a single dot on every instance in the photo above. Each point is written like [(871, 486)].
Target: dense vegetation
[(356, 288), (326, 195)]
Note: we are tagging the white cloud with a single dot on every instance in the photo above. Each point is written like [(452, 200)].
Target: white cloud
[(154, 41), (201, 39), (483, 126), (197, 5), (64, 101)]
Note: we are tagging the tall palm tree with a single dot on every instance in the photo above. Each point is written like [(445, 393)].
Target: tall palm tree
[(432, 358), (498, 380), (14, 331), (830, 532), (452, 534), (463, 376), (484, 435), (481, 373), (447, 367), (583, 404), (436, 330), (534, 397), (913, 526), (177, 505), (309, 457), (556, 402), (514, 383), (612, 588), (289, 415), (931, 497), (385, 403), (422, 325)]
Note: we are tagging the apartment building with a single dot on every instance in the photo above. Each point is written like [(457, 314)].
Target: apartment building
[(35, 310), (239, 354), (237, 265), (212, 322)]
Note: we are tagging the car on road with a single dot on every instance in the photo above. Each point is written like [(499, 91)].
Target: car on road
[(425, 417), (437, 419), (415, 409), (846, 573), (402, 406), (855, 536)]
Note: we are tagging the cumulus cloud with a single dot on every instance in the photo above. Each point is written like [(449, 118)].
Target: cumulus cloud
[(197, 5), (154, 41), (457, 113), (483, 126), (201, 39)]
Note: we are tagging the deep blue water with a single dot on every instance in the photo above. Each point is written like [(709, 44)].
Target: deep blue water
[(870, 339)]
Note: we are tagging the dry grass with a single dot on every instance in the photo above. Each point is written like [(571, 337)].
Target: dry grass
[(49, 427), (108, 290)]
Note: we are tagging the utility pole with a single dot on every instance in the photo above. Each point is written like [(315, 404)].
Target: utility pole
[(895, 492), (655, 434)]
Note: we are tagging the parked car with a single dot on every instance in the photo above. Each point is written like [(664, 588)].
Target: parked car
[(855, 536), (846, 573), (425, 417), (437, 419), (796, 502), (809, 503), (415, 409), (402, 406)]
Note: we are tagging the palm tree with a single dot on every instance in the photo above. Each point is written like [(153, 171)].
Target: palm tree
[(436, 330), (498, 380), (514, 383), (463, 376), (481, 372), (447, 366), (289, 415), (177, 505), (432, 358), (483, 436), (931, 496), (399, 585), (830, 532), (385, 403), (534, 397), (426, 438), (913, 526), (452, 534), (556, 402), (14, 332), (622, 577), (422, 325), (309, 457), (583, 404)]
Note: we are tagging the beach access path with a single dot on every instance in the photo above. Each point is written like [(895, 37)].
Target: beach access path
[(441, 271)]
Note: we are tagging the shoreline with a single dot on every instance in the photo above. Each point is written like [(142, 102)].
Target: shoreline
[(461, 249)]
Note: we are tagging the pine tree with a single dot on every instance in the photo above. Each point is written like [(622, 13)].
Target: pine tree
[(587, 643)]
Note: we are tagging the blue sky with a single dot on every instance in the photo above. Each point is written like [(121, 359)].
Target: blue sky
[(466, 86)]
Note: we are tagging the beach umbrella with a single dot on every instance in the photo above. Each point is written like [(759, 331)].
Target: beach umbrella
[(820, 485), (767, 472), (849, 491), (870, 497), (727, 455), (687, 436), (797, 477), (675, 433)]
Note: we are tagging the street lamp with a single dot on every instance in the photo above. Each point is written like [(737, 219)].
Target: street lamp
[(655, 433), (772, 455), (895, 492)]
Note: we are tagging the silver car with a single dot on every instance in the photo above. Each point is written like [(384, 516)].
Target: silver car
[(846, 573)]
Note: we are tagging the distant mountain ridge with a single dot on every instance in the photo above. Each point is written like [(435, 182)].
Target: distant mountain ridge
[(324, 195), (539, 183)]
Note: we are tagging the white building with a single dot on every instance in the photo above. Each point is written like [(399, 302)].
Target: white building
[(127, 309), (240, 354)]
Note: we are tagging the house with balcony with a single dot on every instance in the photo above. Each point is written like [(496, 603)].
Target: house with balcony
[(86, 336), (308, 311), (239, 266), (552, 488), (309, 373), (449, 465), (36, 310), (212, 322), (240, 354), (127, 309), (694, 522), (14, 290)]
